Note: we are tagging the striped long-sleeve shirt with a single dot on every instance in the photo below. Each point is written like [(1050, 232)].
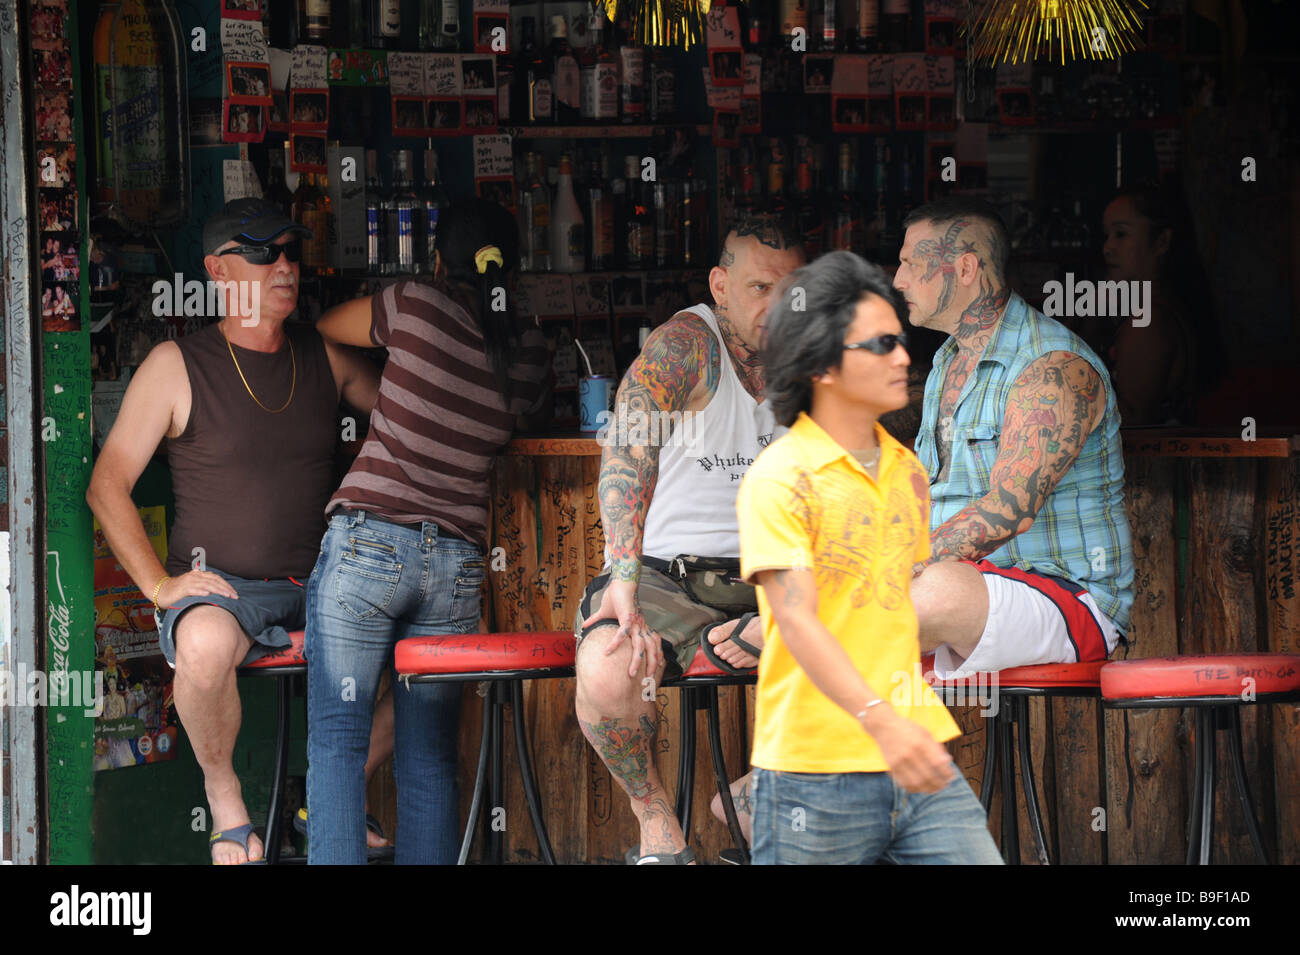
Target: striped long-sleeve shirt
[(440, 416)]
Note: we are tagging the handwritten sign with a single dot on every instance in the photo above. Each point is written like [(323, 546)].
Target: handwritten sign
[(1014, 76), (406, 73), (550, 294), (909, 73), (753, 74), (590, 295), (310, 67), (492, 156), (940, 72), (242, 41), (880, 75), (722, 30), (726, 97), (239, 179), (442, 75), (852, 74)]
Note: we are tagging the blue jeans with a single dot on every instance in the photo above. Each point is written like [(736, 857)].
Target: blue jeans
[(376, 583), (858, 818)]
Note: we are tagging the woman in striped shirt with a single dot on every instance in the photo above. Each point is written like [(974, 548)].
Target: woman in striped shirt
[(404, 552)]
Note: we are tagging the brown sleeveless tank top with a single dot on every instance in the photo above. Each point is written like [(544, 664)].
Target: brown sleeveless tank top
[(251, 486)]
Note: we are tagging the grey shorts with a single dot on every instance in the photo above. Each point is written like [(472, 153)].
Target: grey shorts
[(671, 612), (266, 610)]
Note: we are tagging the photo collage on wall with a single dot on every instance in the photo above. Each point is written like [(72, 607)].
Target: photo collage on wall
[(59, 251)]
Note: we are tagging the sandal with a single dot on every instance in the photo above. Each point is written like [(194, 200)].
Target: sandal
[(745, 645), (239, 836), (685, 857), (373, 853)]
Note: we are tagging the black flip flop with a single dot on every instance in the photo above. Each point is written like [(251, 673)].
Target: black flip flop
[(373, 853), (685, 857), (745, 645)]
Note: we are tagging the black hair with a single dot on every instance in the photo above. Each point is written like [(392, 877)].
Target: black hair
[(1181, 276), (950, 208), (804, 342), (775, 232), (464, 228)]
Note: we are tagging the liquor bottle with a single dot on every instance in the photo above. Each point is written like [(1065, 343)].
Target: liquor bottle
[(894, 24), (808, 214), (667, 228), (599, 97), (567, 226), (351, 23), (430, 24), (882, 241), (632, 78), (432, 201), (310, 210), (846, 214), (747, 200), (663, 87), (757, 33), (600, 216), (639, 217), (331, 244), (535, 218), (399, 218), (386, 24), (375, 244), (449, 25), (776, 163), (505, 89), (539, 86), (314, 21), (566, 78), (867, 32), (794, 16), (276, 190)]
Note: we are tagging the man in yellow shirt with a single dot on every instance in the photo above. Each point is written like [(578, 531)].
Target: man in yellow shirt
[(848, 755)]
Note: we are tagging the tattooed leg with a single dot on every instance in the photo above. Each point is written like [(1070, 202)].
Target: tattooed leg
[(742, 796), (620, 725)]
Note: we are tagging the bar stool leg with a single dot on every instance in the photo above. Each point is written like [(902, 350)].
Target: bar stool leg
[(990, 762), (1201, 822), (496, 842), (1239, 775), (276, 808), (480, 780), (1021, 705), (526, 772), (686, 759), (720, 770), (1007, 779)]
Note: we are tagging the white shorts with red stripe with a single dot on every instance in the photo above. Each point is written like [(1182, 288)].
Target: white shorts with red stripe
[(1033, 618)]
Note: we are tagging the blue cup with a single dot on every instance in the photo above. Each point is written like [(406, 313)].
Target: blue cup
[(595, 394)]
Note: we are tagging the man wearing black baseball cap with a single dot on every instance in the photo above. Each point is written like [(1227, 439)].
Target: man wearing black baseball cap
[(250, 409)]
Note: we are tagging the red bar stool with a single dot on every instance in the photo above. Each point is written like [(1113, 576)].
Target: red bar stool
[(283, 665), (1007, 729), (504, 661), (699, 684), (1216, 687)]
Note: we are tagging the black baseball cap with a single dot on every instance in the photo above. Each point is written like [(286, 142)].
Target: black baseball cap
[(249, 220)]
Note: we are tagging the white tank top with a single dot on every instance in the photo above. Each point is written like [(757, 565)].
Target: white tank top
[(694, 506)]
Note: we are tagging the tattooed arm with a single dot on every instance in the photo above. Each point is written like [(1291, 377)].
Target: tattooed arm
[(679, 363), (916, 761), (1051, 409)]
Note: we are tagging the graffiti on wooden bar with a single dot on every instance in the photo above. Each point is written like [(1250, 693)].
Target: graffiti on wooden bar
[(1279, 543)]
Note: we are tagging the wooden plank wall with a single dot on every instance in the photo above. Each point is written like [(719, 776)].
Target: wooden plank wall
[(1243, 529)]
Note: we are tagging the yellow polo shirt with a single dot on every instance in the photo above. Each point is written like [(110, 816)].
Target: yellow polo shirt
[(807, 502)]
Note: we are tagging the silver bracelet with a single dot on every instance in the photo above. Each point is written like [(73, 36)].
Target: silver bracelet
[(863, 711)]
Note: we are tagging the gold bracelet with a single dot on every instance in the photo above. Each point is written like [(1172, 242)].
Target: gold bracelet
[(158, 588)]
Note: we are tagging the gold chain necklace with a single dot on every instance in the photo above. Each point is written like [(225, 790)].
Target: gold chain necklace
[(293, 381)]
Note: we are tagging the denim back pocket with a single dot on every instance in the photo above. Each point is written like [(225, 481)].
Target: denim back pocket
[(366, 575), (467, 591)]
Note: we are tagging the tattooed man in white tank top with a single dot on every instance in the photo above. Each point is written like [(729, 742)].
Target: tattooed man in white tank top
[(703, 364)]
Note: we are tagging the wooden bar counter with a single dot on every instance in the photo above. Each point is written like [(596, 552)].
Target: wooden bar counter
[(1215, 527)]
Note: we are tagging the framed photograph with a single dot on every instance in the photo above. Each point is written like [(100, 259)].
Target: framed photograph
[(48, 24), (241, 9), (249, 81), (480, 113), (1015, 107), (309, 109), (307, 152), (486, 37), (726, 127), (278, 119), (911, 111), (59, 308), (443, 116), (727, 67), (478, 74), (817, 72), (53, 121), (57, 210), (409, 116), (941, 36), (58, 258), (243, 123), (54, 165), (849, 114), (53, 68)]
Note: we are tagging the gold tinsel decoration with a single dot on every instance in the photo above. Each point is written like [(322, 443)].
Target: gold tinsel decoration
[(1014, 31), (677, 23)]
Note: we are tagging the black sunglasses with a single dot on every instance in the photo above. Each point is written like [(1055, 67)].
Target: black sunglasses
[(880, 345), (266, 254)]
